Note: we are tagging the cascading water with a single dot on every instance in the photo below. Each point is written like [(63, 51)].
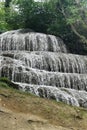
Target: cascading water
[(50, 61), (15, 40), (41, 64)]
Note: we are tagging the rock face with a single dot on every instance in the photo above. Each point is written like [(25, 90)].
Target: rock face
[(41, 64)]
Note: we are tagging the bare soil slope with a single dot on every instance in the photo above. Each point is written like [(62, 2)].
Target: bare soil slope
[(22, 111)]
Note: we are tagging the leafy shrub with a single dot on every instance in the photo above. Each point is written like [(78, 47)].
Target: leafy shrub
[(5, 82), (2, 84)]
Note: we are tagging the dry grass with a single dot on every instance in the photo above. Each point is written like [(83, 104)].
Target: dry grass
[(58, 114)]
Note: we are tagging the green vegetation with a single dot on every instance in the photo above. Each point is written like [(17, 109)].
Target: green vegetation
[(5, 82), (3, 23), (64, 18), (2, 84)]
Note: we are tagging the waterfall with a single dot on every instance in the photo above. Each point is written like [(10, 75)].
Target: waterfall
[(41, 77), (69, 96), (31, 41), (50, 61), (41, 64)]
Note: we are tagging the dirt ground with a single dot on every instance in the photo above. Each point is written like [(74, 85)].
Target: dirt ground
[(19, 111)]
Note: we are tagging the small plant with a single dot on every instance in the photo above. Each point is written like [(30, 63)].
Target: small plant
[(2, 84), (5, 81)]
